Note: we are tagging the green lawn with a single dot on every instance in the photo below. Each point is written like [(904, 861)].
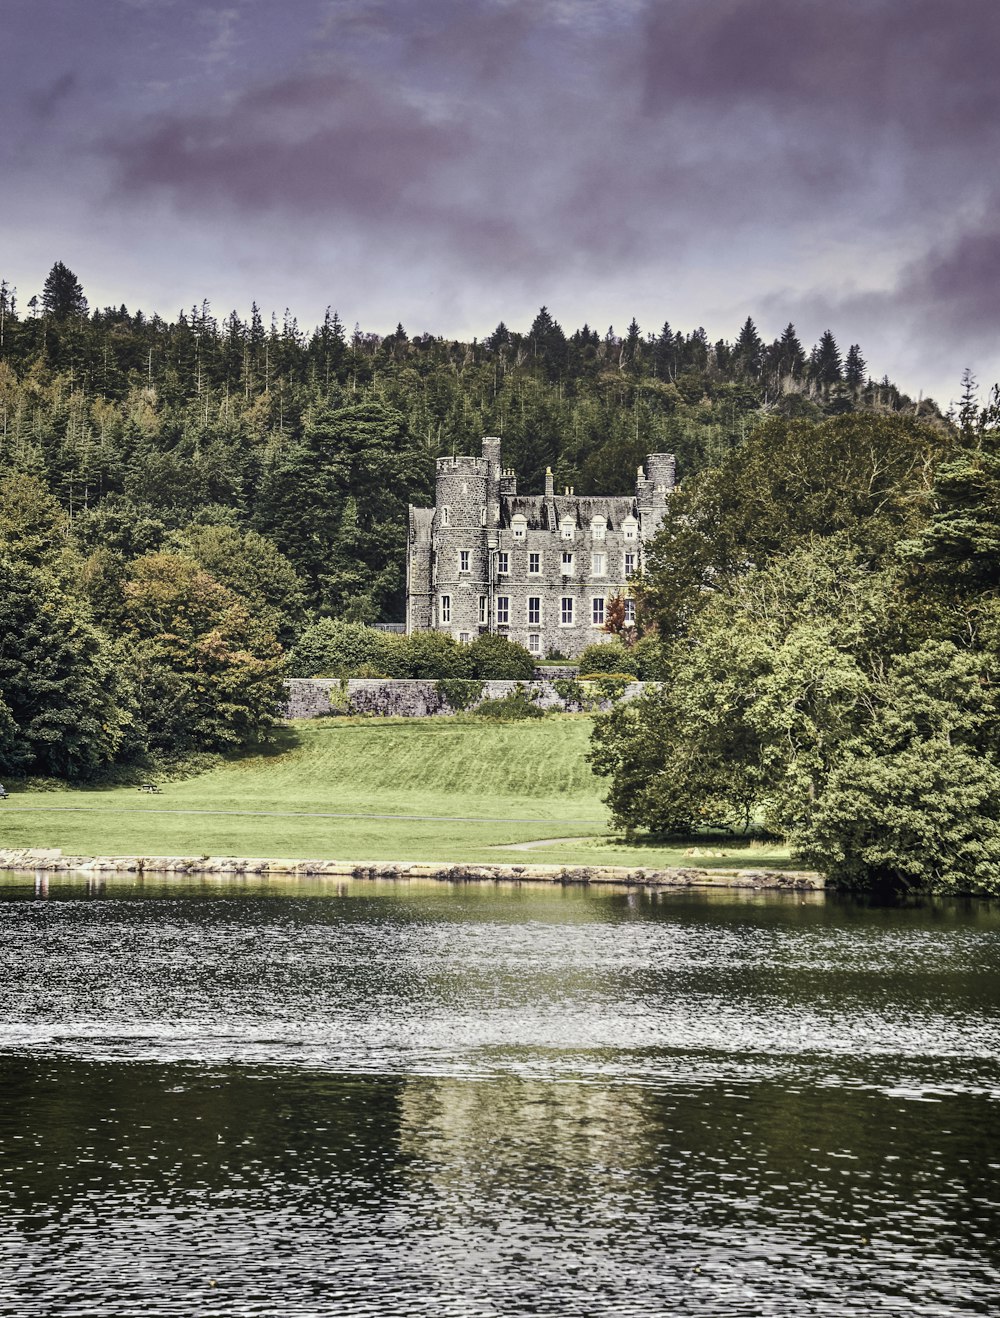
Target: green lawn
[(484, 787)]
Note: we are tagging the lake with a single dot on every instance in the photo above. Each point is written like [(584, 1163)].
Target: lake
[(321, 1098)]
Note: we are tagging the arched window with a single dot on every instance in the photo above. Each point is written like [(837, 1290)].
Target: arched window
[(630, 528), (598, 526), (519, 526)]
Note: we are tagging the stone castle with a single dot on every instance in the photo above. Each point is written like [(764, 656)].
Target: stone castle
[(537, 568)]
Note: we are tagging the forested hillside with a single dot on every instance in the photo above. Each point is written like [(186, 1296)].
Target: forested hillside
[(178, 500), (229, 421)]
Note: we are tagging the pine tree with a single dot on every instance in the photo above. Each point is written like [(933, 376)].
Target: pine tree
[(749, 350), (62, 295), (824, 363), (855, 369)]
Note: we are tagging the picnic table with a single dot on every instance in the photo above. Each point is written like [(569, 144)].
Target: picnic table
[(149, 787)]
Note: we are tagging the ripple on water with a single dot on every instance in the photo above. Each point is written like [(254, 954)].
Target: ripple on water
[(472, 1104)]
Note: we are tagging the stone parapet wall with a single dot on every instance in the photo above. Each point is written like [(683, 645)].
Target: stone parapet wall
[(316, 697), (52, 861)]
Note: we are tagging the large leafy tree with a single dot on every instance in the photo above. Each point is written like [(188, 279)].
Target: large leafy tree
[(207, 673), (864, 476)]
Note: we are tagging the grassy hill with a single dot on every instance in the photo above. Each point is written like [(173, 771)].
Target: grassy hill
[(442, 789)]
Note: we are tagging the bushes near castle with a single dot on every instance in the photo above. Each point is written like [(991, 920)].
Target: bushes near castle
[(332, 648)]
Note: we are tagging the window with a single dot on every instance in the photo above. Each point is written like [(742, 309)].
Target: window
[(629, 563), (446, 608), (482, 610), (519, 526), (597, 612), (567, 564), (598, 527), (630, 528), (503, 610), (445, 515), (464, 637), (534, 565), (629, 611), (567, 527), (534, 610), (503, 563), (534, 643), (566, 611), (463, 560), (482, 516), (598, 564)]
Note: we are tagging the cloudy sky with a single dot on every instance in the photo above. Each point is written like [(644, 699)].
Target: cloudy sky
[(451, 163)]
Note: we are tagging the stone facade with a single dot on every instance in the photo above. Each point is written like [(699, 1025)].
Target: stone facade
[(540, 568), (318, 697)]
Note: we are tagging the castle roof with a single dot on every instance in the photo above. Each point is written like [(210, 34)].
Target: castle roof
[(544, 514)]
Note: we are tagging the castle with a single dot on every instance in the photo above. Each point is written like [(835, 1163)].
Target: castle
[(538, 568)]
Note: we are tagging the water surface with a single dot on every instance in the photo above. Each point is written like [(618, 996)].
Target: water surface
[(323, 1098)]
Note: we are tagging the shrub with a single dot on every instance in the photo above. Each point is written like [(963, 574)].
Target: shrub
[(332, 648), (497, 657), (432, 655), (611, 657), (571, 692), (517, 704), (649, 659), (459, 693)]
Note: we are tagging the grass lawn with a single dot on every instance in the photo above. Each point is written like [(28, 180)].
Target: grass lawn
[(484, 788)]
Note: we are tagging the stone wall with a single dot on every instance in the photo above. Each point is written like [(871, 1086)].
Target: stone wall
[(313, 697)]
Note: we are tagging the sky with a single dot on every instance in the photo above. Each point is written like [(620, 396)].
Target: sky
[(449, 164)]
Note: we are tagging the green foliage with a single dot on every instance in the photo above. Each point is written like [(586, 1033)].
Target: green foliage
[(925, 817), (331, 648), (864, 477), (458, 693), (497, 657), (611, 657), (514, 706), (649, 658), (572, 693), (58, 687), (432, 655), (207, 673)]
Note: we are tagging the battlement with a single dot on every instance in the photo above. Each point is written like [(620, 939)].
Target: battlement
[(461, 463)]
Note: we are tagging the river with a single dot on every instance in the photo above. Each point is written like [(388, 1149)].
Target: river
[(328, 1098)]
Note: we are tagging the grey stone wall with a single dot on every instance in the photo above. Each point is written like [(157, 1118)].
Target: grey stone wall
[(314, 697)]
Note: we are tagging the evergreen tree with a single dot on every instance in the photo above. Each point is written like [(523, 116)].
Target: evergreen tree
[(748, 355), (62, 295), (824, 363), (855, 369)]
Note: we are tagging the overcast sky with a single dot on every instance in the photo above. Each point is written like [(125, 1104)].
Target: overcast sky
[(451, 163)]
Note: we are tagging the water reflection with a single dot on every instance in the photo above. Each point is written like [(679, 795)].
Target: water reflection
[(384, 1099)]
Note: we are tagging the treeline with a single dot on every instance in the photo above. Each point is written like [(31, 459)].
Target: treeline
[(218, 419), (827, 601), (179, 500)]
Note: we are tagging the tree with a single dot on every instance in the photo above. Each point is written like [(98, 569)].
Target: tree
[(824, 363), (32, 525), (58, 685), (749, 350), (207, 673), (62, 294), (855, 369)]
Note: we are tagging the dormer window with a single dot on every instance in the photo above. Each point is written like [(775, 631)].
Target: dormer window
[(567, 527), (630, 529), (519, 526), (598, 527)]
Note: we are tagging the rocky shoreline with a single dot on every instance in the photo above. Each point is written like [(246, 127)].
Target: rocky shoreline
[(52, 860)]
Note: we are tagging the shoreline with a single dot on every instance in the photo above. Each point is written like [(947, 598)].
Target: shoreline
[(52, 860)]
